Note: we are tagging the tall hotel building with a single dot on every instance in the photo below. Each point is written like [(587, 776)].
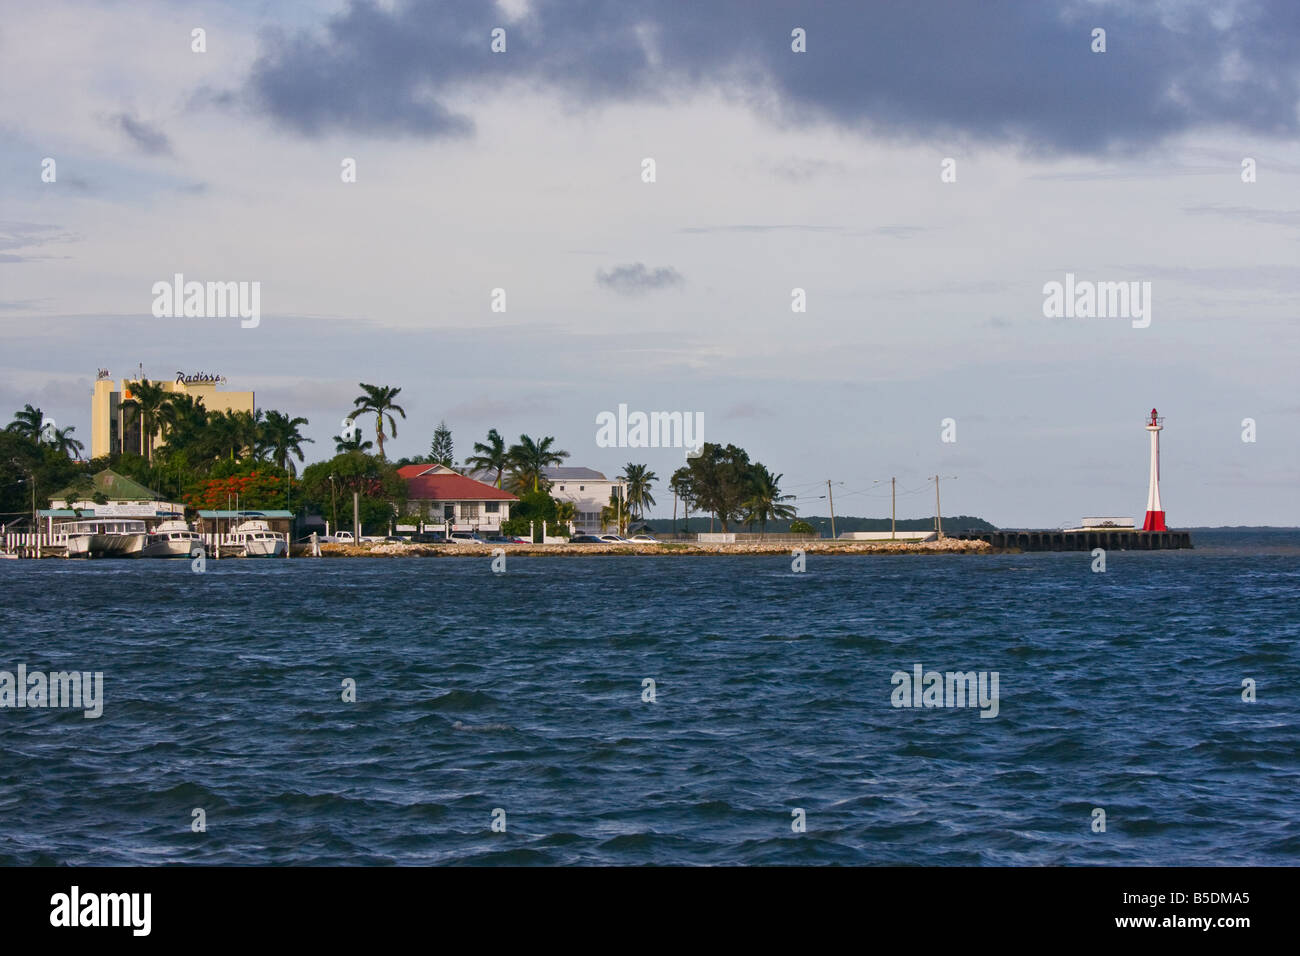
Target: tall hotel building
[(114, 429)]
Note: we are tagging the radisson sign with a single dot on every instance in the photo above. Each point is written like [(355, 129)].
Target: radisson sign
[(200, 378)]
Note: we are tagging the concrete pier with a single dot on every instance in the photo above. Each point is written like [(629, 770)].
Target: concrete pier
[(1107, 539)]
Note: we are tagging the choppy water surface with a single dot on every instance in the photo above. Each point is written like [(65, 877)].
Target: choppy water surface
[(523, 691)]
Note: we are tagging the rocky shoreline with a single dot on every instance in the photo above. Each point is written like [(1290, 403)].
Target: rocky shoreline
[(394, 549)]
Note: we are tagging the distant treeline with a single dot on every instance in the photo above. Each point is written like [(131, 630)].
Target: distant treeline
[(951, 524)]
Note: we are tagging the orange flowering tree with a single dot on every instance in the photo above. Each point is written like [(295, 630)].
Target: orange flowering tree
[(258, 488)]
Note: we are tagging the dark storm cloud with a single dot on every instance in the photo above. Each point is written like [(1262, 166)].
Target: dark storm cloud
[(1020, 72), (636, 279), (148, 138)]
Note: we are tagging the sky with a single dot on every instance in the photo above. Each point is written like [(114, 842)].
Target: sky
[(921, 171)]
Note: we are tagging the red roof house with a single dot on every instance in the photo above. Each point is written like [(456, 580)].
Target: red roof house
[(446, 495)]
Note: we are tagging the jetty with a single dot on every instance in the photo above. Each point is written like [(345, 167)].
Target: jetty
[(1085, 539)]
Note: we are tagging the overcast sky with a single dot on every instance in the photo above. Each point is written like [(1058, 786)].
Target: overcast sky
[(775, 170)]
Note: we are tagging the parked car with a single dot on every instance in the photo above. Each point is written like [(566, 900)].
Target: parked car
[(585, 539), (466, 537), (643, 539), (613, 538), (429, 537), (339, 537)]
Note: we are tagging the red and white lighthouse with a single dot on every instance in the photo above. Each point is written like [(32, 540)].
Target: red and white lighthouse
[(1155, 519)]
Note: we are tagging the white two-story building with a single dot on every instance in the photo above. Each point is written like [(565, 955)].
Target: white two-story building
[(588, 489)]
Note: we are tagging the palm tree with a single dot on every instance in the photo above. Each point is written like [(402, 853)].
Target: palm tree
[(379, 400), (246, 433), (566, 511), (491, 456), (681, 485), (149, 402), (186, 420), (765, 499), (65, 443), (27, 423), (614, 512), (231, 434), (342, 444), (529, 459), (280, 436), (639, 479)]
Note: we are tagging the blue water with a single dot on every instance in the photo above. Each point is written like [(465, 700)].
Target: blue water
[(523, 691)]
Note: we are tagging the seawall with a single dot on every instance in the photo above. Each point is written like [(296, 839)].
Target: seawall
[(815, 546), (1107, 539)]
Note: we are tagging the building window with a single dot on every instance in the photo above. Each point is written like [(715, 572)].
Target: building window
[(469, 510), (582, 487), (492, 507)]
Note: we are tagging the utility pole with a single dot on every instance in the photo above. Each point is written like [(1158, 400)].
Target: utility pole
[(893, 507), (831, 499), (938, 514), (217, 523), (334, 507), (356, 516)]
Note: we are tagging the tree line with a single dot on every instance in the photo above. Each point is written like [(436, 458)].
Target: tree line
[(206, 457)]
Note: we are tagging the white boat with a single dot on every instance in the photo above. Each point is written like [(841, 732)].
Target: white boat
[(257, 539), (171, 539), (106, 537)]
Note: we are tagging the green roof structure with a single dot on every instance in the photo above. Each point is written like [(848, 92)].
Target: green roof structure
[(112, 486)]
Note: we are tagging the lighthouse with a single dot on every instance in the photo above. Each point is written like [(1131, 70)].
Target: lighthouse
[(1155, 519)]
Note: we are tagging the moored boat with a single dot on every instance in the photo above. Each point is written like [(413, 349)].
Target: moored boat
[(103, 538), (257, 539), (171, 539)]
